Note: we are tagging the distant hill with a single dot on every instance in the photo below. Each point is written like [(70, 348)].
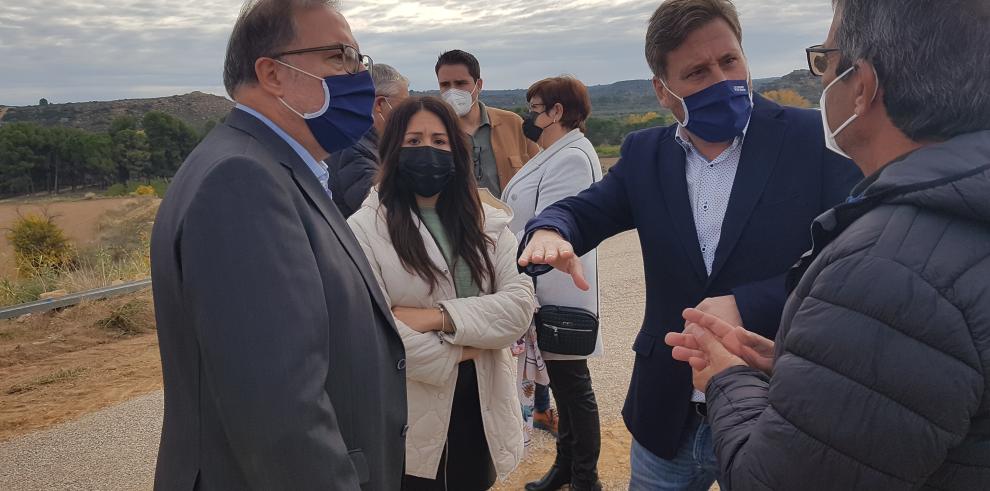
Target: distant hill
[(637, 96), (800, 81), (196, 108), (617, 99)]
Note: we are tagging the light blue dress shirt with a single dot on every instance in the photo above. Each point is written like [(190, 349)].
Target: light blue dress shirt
[(709, 184), (319, 169)]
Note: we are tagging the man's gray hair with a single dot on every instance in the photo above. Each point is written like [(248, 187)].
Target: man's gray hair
[(263, 29), (932, 57), (388, 81)]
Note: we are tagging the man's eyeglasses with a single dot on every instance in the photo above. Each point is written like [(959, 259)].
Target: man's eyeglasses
[(350, 60), (818, 59)]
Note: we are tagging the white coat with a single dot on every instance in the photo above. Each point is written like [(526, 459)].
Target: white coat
[(492, 322), (566, 168)]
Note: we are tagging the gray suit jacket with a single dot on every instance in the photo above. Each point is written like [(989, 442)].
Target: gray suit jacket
[(282, 366)]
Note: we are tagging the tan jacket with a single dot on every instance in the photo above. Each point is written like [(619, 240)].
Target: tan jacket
[(511, 147), (492, 322)]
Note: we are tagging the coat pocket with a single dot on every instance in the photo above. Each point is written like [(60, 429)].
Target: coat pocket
[(516, 161), (360, 465), (643, 346)]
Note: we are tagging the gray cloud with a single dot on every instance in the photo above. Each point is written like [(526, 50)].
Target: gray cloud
[(75, 50)]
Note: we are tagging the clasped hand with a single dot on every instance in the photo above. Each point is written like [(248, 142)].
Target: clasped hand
[(711, 345)]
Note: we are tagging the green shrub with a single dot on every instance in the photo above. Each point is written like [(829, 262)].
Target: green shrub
[(126, 319), (161, 186), (608, 151), (23, 290), (40, 247), (116, 190)]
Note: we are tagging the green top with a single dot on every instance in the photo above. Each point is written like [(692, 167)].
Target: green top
[(483, 155), (463, 283)]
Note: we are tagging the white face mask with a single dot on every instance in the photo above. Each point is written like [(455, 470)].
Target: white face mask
[(830, 135), (461, 100)]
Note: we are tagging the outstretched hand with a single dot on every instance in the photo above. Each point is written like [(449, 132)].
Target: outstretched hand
[(548, 247)]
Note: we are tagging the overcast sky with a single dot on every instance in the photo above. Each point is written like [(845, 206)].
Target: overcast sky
[(82, 50)]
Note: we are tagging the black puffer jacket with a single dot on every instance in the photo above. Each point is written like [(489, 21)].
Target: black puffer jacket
[(883, 354), (352, 172)]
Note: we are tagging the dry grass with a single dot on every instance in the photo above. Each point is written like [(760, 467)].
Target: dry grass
[(120, 253), (61, 375), (128, 319), (59, 365)]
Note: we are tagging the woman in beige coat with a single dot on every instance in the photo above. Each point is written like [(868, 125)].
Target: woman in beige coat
[(447, 266)]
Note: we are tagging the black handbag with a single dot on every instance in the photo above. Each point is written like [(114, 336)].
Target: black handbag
[(566, 330)]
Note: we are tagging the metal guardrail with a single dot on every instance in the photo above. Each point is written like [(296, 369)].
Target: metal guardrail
[(73, 299)]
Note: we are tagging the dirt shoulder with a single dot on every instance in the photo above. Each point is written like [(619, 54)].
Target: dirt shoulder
[(58, 366)]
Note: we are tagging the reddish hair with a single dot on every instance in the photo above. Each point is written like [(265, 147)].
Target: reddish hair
[(570, 93)]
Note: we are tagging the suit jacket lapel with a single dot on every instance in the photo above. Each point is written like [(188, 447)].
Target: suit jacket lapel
[(673, 182), (761, 149), (312, 188)]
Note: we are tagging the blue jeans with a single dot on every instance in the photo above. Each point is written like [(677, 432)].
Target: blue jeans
[(541, 402), (694, 468)]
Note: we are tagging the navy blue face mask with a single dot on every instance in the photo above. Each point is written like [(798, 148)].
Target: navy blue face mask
[(718, 113), (346, 114)]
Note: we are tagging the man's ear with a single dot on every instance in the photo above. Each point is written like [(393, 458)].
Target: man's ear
[(266, 69), (663, 95), (867, 87), (481, 86)]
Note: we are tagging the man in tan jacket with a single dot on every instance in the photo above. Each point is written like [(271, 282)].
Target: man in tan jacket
[(499, 148)]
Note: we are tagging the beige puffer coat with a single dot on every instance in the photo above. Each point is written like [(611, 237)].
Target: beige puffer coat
[(491, 322)]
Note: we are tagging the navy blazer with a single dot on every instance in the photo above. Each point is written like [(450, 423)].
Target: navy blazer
[(786, 178)]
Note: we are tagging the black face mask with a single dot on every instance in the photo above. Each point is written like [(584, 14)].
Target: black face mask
[(425, 170), (530, 129)]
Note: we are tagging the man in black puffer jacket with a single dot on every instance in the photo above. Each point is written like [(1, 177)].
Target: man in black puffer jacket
[(353, 169), (880, 374)]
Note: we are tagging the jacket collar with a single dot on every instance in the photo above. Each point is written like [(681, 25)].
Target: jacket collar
[(541, 158), (950, 177), (761, 150)]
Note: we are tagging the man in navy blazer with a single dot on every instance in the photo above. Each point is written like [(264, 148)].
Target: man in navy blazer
[(722, 202)]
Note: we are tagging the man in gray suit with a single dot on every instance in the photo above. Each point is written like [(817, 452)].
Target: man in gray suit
[(282, 366)]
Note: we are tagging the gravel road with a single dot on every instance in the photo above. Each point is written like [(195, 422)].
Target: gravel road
[(115, 449)]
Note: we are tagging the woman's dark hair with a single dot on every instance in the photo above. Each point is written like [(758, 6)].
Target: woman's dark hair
[(458, 205), (570, 93)]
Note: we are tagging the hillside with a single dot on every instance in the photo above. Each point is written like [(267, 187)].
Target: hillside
[(637, 96), (800, 81), (617, 99), (197, 108), (194, 108)]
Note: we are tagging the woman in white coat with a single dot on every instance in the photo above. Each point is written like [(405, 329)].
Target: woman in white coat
[(569, 164), (446, 264)]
